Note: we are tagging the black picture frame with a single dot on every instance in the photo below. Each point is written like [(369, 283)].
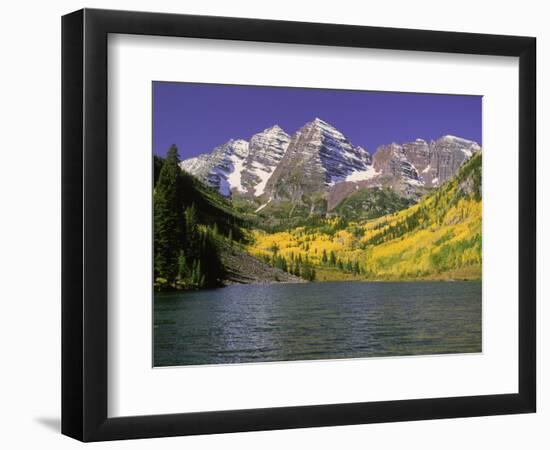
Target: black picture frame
[(84, 224)]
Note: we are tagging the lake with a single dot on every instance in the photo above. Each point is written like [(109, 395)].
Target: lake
[(289, 322)]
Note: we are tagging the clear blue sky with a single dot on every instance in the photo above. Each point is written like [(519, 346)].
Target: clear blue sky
[(199, 117)]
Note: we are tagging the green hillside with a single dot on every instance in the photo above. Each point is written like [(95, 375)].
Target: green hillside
[(199, 237), (190, 223), (203, 240), (370, 203), (438, 238)]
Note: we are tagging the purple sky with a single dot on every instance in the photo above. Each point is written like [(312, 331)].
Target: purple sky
[(199, 117)]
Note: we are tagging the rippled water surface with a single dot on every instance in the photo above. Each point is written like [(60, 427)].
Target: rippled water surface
[(283, 322)]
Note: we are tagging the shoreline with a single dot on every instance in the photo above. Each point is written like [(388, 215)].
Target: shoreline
[(456, 280)]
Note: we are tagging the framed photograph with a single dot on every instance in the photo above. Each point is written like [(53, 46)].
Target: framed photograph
[(274, 225)]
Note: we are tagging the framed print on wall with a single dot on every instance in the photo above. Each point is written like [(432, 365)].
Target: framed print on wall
[(266, 224)]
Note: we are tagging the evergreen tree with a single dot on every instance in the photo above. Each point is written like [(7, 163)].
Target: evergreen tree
[(192, 236), (168, 223), (197, 277), (183, 270), (157, 166), (306, 272), (324, 258)]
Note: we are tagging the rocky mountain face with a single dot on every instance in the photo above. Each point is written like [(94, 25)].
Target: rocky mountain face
[(411, 169), (239, 166), (318, 167), (222, 168), (266, 150), (318, 157)]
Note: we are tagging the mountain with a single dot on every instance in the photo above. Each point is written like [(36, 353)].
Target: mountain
[(434, 163), (313, 171), (369, 203), (411, 169), (260, 166), (239, 166), (220, 169), (227, 232), (437, 238), (266, 150), (212, 252), (318, 157), (411, 211)]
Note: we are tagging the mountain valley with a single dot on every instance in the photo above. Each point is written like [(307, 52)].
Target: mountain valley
[(314, 206)]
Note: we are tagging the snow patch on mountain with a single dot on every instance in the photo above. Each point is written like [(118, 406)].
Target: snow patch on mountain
[(414, 182), (361, 175), (222, 168), (339, 158), (264, 205), (263, 175), (241, 166), (266, 150), (234, 178)]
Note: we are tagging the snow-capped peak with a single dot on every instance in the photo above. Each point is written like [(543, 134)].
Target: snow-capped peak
[(266, 151), (321, 148), (267, 165), (466, 146), (222, 168), (458, 140), (239, 165), (319, 121), (239, 147), (274, 129), (325, 126)]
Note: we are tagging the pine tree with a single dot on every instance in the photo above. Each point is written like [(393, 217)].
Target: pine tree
[(157, 166), (197, 277), (324, 258), (306, 273), (192, 240), (168, 222), (183, 270), (332, 258)]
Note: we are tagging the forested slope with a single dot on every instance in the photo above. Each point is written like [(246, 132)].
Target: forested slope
[(437, 238), (199, 238)]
